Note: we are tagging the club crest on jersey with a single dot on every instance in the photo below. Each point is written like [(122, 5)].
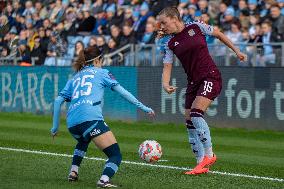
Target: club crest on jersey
[(191, 32), (176, 43)]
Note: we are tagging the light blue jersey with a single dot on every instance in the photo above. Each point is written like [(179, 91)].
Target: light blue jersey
[(85, 92)]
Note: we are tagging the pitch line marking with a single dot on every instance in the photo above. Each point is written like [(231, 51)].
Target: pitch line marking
[(143, 164)]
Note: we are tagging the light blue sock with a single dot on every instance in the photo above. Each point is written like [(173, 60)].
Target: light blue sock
[(194, 141), (203, 130)]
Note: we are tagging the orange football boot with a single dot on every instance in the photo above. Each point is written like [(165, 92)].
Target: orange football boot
[(203, 166)]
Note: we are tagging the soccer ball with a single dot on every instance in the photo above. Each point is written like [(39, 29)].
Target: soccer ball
[(150, 151)]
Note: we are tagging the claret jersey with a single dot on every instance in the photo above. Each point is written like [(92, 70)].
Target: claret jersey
[(190, 47)]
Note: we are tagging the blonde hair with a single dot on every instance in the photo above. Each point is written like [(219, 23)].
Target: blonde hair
[(171, 12)]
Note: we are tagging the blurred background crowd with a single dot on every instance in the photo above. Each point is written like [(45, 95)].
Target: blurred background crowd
[(61, 28)]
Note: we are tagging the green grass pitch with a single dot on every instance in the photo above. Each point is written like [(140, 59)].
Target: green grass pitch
[(247, 152)]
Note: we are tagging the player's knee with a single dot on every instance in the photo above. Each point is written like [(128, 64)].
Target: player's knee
[(196, 113), (113, 154)]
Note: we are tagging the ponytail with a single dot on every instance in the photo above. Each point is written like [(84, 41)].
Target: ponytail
[(80, 62), (86, 57)]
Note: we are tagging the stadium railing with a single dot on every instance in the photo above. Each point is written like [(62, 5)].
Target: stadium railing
[(259, 55), (15, 61)]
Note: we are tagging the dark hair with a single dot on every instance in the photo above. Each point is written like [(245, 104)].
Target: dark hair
[(275, 5), (267, 22), (171, 12), (86, 56)]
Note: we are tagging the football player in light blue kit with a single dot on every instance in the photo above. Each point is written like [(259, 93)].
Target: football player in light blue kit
[(84, 118)]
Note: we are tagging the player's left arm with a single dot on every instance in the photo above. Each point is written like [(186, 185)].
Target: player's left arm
[(222, 37), (130, 98), (110, 81), (210, 30)]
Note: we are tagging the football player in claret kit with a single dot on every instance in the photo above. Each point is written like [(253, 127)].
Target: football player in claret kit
[(188, 43), (85, 121)]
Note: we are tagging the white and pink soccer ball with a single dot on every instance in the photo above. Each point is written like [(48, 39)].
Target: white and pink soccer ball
[(150, 151)]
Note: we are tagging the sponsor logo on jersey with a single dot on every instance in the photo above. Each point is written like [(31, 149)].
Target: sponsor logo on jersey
[(176, 43), (111, 76), (191, 32), (95, 132)]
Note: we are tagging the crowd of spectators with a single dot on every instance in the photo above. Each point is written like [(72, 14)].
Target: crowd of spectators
[(61, 28)]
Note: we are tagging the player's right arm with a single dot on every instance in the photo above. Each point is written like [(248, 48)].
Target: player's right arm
[(167, 69), (64, 95), (130, 98), (110, 82)]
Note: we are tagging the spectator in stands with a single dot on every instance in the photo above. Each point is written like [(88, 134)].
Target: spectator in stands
[(228, 19), (242, 7), (115, 33), (18, 9), (86, 5), (41, 10), (57, 12), (24, 53), (69, 22), (29, 9), (128, 36), (128, 16), (268, 56), (31, 34), (5, 51), (221, 16), (88, 23), (149, 35), (281, 5), (255, 35), (265, 10), (112, 45), (234, 34), (191, 13), (140, 25), (151, 20), (4, 25), (111, 20), (253, 9), (79, 45), (37, 20), (8, 11), (182, 4), (56, 46), (37, 52), (97, 6), (278, 23), (245, 37), (101, 22), (203, 6), (44, 40), (93, 41), (101, 44), (244, 18), (13, 41), (60, 28), (46, 23)]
